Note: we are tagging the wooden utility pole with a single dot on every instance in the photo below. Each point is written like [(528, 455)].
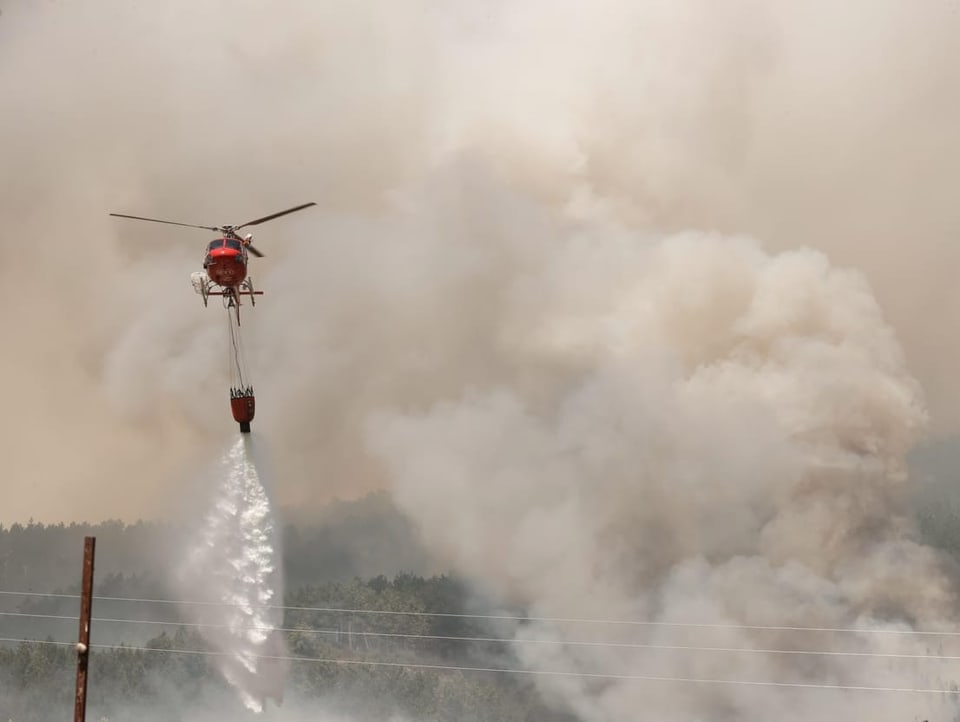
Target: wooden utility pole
[(83, 645)]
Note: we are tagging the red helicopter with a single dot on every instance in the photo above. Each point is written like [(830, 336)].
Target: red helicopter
[(225, 274), (225, 260)]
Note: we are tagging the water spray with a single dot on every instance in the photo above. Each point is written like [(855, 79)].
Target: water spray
[(235, 561)]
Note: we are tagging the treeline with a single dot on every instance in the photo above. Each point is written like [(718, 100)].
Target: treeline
[(346, 539), (421, 633), (361, 556)]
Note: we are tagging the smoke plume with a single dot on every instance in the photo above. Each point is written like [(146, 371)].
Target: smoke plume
[(729, 452), (636, 306), (810, 125)]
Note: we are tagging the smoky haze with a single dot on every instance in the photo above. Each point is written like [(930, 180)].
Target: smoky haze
[(636, 308), (731, 452), (444, 143)]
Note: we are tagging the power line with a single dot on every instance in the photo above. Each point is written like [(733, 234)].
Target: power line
[(40, 594), (558, 642), (514, 618), (505, 640), (37, 641), (38, 616), (532, 672)]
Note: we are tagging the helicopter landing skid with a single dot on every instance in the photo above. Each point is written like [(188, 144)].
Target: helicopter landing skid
[(231, 296)]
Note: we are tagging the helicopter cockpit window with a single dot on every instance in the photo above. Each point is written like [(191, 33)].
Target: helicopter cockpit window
[(235, 245), (215, 244)]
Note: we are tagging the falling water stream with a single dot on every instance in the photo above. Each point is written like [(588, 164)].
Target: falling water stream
[(234, 565)]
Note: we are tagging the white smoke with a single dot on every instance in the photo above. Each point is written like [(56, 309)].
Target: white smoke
[(684, 427), (234, 568), (729, 451), (801, 123)]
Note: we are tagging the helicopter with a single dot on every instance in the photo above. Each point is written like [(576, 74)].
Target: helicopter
[(225, 260)]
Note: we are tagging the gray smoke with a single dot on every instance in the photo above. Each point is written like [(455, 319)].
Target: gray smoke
[(730, 451), (533, 266), (802, 125)]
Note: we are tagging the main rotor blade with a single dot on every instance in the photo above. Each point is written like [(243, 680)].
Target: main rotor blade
[(172, 223), (275, 215), (254, 251)]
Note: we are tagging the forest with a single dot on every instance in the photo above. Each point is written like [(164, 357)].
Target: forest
[(360, 555), (414, 666)]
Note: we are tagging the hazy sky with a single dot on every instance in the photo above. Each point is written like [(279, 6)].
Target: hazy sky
[(448, 146), (637, 308)]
